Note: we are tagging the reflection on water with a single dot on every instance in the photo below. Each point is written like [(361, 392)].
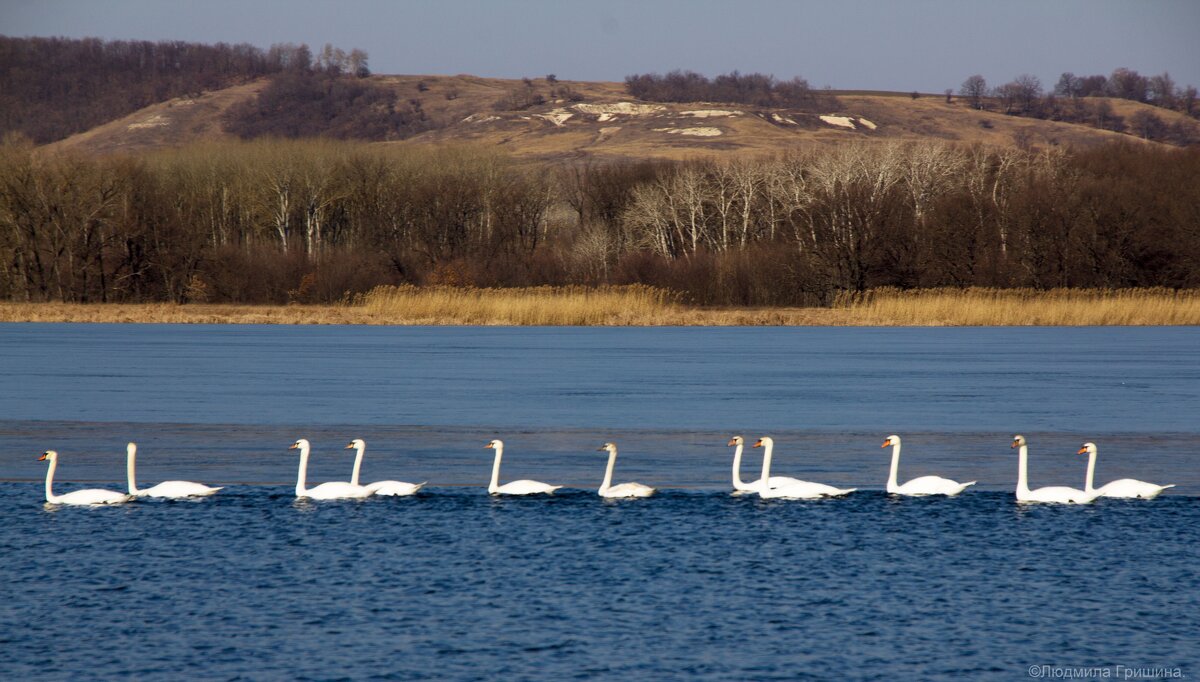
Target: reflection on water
[(236, 454)]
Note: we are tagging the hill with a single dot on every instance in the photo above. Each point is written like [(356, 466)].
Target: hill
[(552, 120)]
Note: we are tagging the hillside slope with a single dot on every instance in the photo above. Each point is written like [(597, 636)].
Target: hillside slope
[(578, 120)]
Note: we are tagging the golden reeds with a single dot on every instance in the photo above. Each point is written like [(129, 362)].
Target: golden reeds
[(1020, 307), (647, 306), (527, 306)]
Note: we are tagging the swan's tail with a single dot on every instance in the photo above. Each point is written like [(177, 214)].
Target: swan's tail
[(842, 493), (968, 484), (1168, 486)]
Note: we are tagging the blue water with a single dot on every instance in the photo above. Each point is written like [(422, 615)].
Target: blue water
[(691, 583)]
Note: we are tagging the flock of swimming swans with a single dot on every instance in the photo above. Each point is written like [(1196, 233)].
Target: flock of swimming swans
[(767, 486)]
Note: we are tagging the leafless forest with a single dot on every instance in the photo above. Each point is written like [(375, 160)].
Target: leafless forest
[(313, 221)]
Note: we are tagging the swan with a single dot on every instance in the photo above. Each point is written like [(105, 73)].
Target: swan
[(334, 490), (740, 487), (172, 489), (1058, 493), (523, 487), (624, 489), (925, 485), (90, 496), (1124, 487), (800, 490), (384, 488)]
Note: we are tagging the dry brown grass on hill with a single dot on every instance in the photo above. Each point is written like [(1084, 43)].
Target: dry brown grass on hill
[(647, 306), (469, 109)]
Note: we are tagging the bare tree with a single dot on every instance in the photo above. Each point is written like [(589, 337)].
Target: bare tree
[(974, 89), (1069, 85), (1162, 90)]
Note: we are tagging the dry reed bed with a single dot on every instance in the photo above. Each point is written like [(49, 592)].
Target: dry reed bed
[(555, 306), (1021, 307), (646, 306)]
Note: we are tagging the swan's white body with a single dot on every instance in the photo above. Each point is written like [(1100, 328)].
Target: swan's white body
[(623, 489), (740, 486), (800, 490), (1126, 488), (924, 485), (334, 490), (522, 487), (379, 488), (171, 489), (87, 497), (1057, 494)]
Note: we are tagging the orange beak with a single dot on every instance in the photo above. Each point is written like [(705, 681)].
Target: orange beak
[(1082, 451), (758, 443), (886, 443), (42, 458), (350, 446), (1015, 444), (488, 446), (293, 446), (732, 441)]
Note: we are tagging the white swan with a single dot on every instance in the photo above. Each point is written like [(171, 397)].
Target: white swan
[(739, 486), (624, 489), (800, 490), (523, 487), (1060, 494), (90, 496), (1122, 487), (924, 485), (172, 489), (380, 488), (334, 490)]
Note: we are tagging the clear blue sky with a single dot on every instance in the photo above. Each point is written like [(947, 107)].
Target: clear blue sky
[(928, 45)]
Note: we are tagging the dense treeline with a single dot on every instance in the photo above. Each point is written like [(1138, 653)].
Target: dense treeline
[(1084, 99), (51, 88), (316, 103), (755, 89), (312, 221)]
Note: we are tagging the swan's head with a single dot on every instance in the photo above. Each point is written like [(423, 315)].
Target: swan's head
[(131, 448), (494, 444), (891, 440), (736, 440), (301, 444), (764, 442), (607, 447), (357, 444), (1018, 441), (1087, 449), (48, 455)]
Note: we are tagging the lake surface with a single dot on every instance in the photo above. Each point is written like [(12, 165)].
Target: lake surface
[(695, 583)]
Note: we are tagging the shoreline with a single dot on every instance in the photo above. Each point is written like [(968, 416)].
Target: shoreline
[(309, 314), (965, 315)]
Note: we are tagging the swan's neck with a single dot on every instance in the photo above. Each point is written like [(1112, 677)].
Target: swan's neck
[(766, 471), (302, 475), (1091, 472), (612, 464), (737, 468), (50, 496), (495, 484), (131, 470), (1023, 470), (357, 463), (892, 483)]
